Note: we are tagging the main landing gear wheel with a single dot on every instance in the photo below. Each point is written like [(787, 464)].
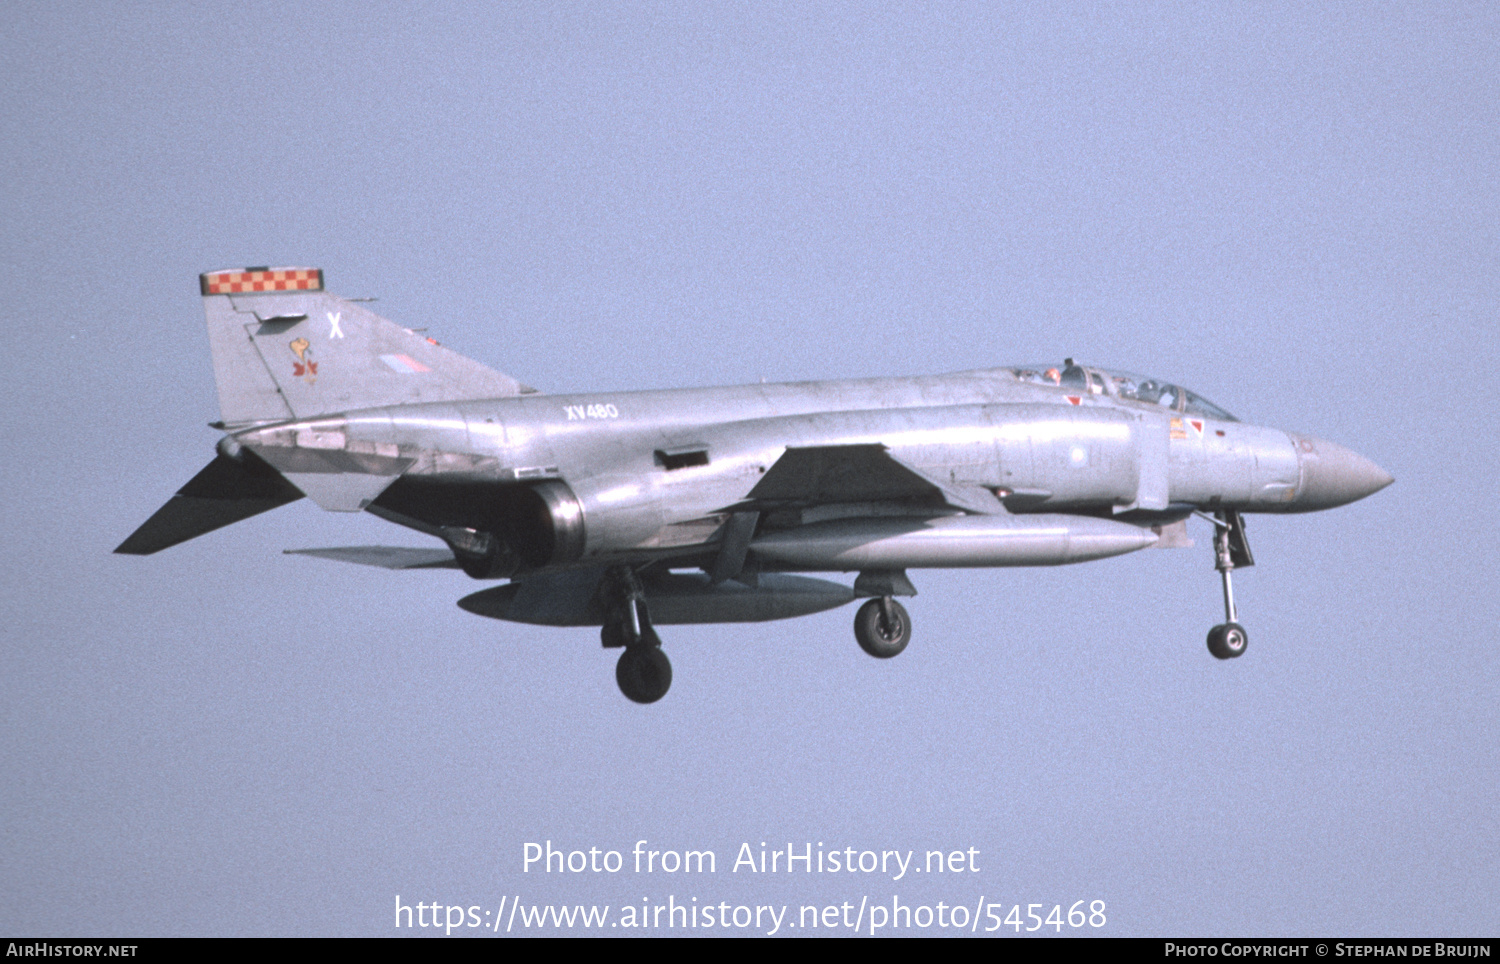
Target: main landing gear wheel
[(882, 627), (1227, 640), (644, 673)]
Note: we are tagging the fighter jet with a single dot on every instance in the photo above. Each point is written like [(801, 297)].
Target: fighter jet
[(631, 510)]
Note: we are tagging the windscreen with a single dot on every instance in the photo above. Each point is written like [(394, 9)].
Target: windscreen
[(1153, 391), (1124, 385)]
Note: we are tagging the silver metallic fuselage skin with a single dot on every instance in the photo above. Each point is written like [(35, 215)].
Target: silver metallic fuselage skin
[(628, 510), (1042, 449)]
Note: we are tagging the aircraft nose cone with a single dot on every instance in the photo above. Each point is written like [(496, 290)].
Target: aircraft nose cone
[(1333, 475)]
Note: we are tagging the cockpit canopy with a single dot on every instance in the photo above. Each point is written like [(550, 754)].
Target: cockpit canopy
[(1122, 385)]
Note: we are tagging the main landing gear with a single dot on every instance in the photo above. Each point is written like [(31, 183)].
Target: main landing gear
[(882, 626), (1231, 551), (643, 672)]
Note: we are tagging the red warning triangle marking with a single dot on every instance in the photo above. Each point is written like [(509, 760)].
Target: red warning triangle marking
[(1075, 399)]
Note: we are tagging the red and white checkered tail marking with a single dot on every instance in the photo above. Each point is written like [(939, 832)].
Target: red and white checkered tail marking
[(253, 280)]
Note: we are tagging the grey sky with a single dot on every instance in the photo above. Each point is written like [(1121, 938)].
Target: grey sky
[(1290, 210)]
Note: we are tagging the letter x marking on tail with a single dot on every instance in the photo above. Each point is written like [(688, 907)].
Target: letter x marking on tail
[(334, 317)]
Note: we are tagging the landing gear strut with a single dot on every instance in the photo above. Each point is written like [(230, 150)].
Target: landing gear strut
[(644, 673), (1231, 551)]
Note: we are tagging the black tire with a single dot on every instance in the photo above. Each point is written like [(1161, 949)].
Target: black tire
[(1228, 640), (644, 673), (876, 637)]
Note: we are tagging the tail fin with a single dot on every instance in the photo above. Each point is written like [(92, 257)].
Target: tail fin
[(284, 348)]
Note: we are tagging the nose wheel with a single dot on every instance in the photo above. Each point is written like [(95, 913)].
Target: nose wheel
[(1228, 640), (1231, 551)]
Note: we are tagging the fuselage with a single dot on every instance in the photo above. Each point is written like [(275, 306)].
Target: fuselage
[(657, 470)]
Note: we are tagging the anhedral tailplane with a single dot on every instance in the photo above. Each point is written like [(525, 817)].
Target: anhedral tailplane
[(228, 490)]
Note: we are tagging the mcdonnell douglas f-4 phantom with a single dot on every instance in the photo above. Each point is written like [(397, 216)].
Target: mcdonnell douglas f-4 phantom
[(630, 510)]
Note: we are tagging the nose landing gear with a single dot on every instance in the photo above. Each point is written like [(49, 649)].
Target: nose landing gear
[(1231, 551), (1227, 641)]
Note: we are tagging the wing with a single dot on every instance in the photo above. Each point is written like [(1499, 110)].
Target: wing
[(823, 482), (859, 474)]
